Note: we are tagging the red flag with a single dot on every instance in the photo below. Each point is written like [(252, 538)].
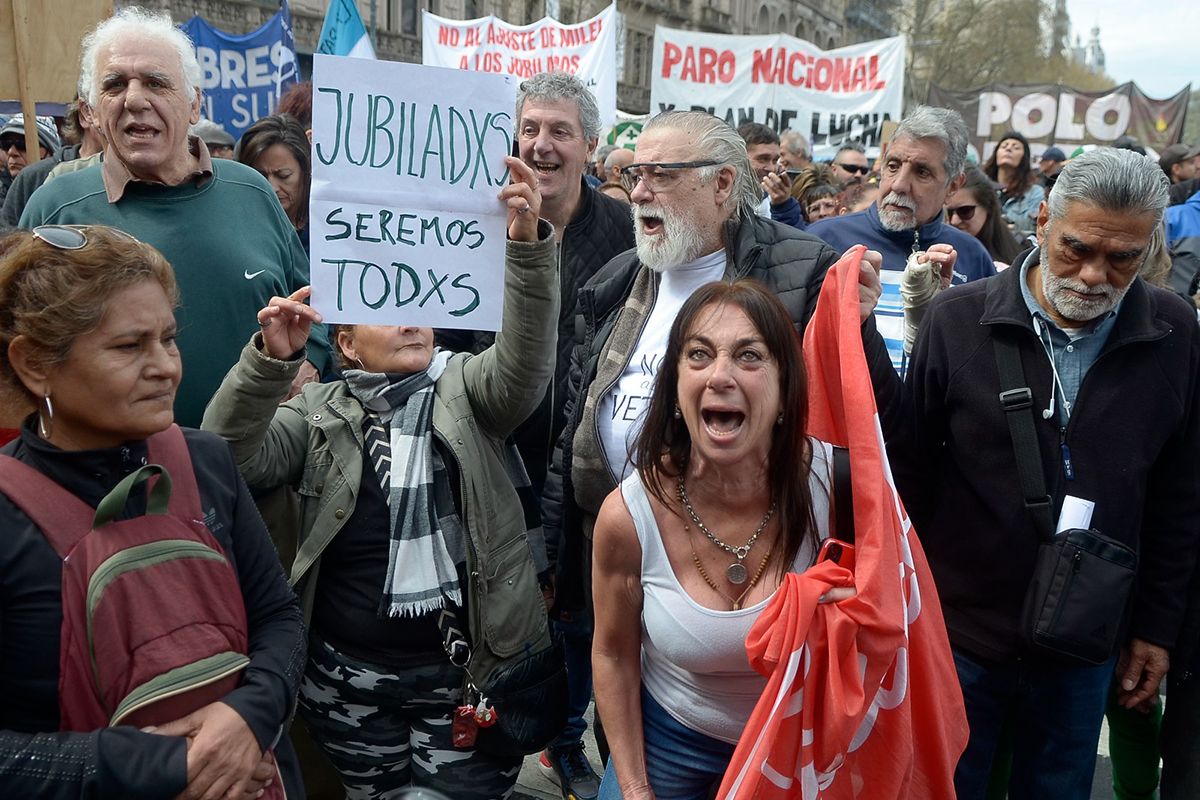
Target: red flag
[(862, 698)]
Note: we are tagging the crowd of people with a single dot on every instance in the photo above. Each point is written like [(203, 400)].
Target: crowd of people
[(469, 535)]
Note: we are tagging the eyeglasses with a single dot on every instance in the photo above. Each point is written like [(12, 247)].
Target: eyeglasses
[(9, 143), (962, 212), (658, 176), (71, 237), (854, 169)]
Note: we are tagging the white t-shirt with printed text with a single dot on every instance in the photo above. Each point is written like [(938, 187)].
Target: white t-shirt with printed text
[(619, 418)]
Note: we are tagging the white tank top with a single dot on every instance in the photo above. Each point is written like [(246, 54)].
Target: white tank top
[(694, 661)]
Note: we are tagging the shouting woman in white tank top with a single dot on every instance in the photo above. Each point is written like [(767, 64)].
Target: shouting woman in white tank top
[(728, 496)]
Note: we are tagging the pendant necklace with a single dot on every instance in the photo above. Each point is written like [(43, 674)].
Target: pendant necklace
[(736, 572), (735, 602)]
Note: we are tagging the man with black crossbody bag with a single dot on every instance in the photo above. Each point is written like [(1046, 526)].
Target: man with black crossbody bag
[(1045, 445)]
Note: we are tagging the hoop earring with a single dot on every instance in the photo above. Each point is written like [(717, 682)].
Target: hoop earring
[(46, 423)]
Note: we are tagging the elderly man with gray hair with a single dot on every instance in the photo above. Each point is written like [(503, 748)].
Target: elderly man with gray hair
[(217, 222), (1052, 414), (923, 167)]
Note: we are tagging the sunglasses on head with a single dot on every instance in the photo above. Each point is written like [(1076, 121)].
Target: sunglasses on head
[(70, 237), (962, 212), (855, 169)]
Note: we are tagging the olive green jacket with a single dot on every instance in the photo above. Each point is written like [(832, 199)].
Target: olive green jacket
[(314, 443)]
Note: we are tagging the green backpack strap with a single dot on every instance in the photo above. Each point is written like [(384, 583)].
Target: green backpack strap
[(113, 504)]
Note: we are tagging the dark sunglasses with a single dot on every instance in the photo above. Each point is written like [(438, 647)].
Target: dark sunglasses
[(855, 169), (70, 237), (962, 212)]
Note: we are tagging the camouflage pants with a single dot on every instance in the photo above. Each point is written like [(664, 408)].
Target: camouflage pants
[(385, 731)]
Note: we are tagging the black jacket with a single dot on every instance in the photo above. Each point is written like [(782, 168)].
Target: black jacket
[(123, 762), (1133, 436), (790, 262)]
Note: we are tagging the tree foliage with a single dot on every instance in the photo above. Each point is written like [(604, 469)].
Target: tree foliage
[(963, 44)]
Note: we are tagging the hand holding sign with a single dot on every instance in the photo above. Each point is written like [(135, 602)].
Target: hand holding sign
[(285, 323), (524, 201)]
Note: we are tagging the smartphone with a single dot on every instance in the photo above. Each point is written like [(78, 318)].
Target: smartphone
[(837, 551), (516, 149)]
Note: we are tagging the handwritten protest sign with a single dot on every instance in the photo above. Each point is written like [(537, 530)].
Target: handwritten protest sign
[(782, 82), (587, 50), (407, 163)]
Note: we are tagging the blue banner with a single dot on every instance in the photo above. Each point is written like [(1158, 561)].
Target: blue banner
[(243, 76)]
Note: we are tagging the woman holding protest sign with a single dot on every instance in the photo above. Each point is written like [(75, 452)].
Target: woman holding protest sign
[(411, 522), (149, 644), (729, 495)]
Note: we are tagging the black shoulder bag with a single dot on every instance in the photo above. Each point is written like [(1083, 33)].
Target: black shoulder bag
[(1077, 600)]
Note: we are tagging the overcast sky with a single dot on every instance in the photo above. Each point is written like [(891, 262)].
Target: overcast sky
[(1154, 45)]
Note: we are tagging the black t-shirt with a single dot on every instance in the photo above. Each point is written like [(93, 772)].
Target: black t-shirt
[(350, 585)]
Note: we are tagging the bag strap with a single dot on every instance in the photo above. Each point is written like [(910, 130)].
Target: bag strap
[(169, 449), (454, 635), (1016, 400), (113, 504), (843, 496), (62, 517)]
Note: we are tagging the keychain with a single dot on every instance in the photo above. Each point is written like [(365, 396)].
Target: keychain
[(485, 714), (465, 727)]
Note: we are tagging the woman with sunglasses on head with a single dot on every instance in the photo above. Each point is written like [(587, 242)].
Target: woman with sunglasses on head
[(1021, 193), (975, 209), (391, 536), (87, 340)]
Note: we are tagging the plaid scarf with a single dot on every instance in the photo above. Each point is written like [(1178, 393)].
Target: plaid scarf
[(421, 574)]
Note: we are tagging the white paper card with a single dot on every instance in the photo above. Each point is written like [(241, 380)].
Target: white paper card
[(1076, 513)]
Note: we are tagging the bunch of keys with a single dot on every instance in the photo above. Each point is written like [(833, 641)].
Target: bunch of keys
[(468, 719)]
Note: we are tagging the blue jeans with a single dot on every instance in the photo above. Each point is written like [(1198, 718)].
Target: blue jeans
[(576, 635), (1056, 711), (680, 763)]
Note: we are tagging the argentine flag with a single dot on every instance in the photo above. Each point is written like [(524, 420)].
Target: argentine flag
[(343, 33)]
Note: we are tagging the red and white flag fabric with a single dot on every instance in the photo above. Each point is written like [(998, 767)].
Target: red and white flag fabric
[(862, 698)]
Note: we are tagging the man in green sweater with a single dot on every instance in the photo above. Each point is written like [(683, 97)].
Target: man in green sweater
[(217, 221)]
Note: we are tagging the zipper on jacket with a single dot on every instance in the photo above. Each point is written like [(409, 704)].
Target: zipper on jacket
[(1065, 450)]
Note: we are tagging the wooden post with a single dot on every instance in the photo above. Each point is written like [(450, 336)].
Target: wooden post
[(24, 49)]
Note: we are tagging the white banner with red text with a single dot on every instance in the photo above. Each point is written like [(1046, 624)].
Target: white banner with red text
[(587, 50), (782, 82)]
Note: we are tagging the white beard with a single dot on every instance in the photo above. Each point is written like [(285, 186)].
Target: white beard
[(894, 220), (677, 244), (1102, 298)]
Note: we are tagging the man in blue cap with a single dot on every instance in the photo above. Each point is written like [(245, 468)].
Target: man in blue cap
[(1050, 164)]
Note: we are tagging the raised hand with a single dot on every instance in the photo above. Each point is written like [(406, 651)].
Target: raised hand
[(285, 322), (524, 201)]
